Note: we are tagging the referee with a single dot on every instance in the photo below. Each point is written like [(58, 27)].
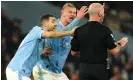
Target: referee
[(94, 40)]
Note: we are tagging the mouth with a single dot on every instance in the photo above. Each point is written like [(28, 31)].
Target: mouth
[(71, 18), (54, 28)]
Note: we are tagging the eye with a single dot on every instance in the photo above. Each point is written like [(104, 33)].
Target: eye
[(74, 12), (70, 11), (53, 20)]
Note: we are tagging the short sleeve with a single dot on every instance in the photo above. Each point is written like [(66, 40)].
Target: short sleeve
[(110, 40), (38, 31), (39, 35)]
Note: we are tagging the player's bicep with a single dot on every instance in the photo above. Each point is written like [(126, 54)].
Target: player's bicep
[(45, 34), (39, 32)]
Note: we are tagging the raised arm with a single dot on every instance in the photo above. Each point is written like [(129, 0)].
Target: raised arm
[(80, 14)]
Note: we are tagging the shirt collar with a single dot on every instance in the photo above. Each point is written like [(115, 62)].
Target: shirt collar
[(60, 23)]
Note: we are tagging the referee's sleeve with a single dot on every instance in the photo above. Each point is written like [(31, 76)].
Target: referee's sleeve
[(75, 42), (110, 40)]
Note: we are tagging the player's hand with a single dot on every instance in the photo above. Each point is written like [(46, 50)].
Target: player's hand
[(47, 51), (73, 30), (123, 41), (72, 35), (82, 12)]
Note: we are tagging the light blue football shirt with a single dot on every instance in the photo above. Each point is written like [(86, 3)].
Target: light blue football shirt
[(28, 53), (60, 48)]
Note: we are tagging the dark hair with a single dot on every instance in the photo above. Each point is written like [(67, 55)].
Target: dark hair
[(45, 17)]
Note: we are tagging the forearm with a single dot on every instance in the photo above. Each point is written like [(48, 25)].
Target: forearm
[(121, 43), (73, 24), (54, 34), (61, 33), (115, 50)]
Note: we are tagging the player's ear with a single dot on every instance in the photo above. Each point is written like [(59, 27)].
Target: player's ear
[(44, 23)]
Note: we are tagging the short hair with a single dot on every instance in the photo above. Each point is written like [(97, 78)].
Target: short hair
[(68, 5), (45, 17)]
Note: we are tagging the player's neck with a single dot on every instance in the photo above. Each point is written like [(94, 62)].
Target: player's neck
[(63, 21), (45, 28)]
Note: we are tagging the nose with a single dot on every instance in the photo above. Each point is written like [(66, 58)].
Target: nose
[(55, 26), (74, 14)]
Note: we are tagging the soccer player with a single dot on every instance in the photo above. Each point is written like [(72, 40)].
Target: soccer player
[(20, 67), (50, 67)]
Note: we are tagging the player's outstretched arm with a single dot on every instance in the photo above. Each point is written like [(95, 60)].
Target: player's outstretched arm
[(54, 34)]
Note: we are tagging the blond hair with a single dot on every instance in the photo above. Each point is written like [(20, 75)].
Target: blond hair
[(68, 5)]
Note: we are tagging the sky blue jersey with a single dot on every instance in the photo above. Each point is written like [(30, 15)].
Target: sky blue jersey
[(60, 47), (28, 53)]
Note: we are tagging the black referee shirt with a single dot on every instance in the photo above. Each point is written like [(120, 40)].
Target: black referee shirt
[(92, 41)]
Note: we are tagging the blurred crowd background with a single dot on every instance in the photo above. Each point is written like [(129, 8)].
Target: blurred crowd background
[(15, 24)]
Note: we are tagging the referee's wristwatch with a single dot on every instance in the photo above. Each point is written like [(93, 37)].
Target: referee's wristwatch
[(119, 44)]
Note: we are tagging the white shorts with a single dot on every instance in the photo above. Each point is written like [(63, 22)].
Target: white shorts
[(42, 74), (13, 75)]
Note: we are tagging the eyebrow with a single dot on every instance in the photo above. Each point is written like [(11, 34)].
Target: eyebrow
[(53, 20)]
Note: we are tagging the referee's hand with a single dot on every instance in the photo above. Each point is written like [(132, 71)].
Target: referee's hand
[(123, 41)]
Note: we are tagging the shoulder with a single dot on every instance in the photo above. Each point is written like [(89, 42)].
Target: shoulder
[(106, 29), (82, 27), (37, 27), (85, 24)]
